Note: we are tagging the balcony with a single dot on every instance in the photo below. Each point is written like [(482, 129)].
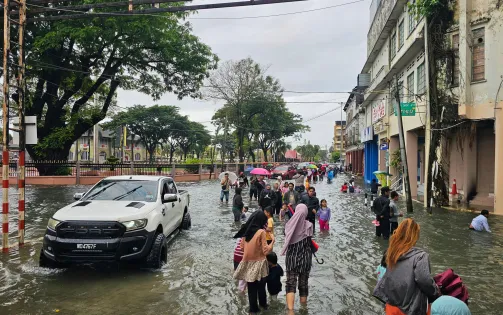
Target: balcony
[(382, 24)]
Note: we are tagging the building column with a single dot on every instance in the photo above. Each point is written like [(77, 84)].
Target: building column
[(411, 147), (469, 158), (498, 159)]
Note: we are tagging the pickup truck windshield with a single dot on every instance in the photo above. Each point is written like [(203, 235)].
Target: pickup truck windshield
[(124, 190)]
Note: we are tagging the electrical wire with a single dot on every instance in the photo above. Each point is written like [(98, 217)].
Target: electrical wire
[(192, 18)]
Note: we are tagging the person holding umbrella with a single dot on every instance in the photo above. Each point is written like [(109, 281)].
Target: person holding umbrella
[(297, 248)]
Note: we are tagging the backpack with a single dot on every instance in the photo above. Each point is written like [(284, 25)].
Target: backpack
[(451, 284)]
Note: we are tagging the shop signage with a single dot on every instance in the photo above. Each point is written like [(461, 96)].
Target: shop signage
[(378, 111), (407, 109), (367, 134), (378, 128), (384, 146)]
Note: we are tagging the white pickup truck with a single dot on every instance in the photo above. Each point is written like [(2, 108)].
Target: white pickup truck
[(122, 218)]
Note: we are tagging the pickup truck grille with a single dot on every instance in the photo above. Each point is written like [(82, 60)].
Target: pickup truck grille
[(90, 230)]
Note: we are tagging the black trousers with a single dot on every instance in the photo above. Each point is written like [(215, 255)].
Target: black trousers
[(253, 193), (257, 290), (393, 227), (313, 221), (383, 228), (277, 208)]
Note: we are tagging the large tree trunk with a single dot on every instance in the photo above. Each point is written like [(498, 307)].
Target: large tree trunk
[(60, 155), (265, 154)]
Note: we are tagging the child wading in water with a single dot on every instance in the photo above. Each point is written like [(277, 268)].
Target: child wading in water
[(274, 286), (324, 215), (270, 224)]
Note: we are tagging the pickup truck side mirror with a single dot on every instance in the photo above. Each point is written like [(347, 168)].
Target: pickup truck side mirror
[(170, 197), (78, 196)]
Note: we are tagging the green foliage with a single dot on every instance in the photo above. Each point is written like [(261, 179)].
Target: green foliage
[(308, 151), (254, 107), (62, 171), (335, 157), (112, 160), (396, 160), (193, 161), (76, 66)]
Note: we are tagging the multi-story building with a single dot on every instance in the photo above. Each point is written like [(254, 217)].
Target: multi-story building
[(96, 145), (338, 145), (397, 60), (354, 123)]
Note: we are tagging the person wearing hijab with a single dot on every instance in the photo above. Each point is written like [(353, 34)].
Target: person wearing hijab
[(297, 247), (448, 305), (254, 267)]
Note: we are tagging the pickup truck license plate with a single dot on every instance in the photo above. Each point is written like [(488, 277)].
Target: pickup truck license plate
[(86, 246)]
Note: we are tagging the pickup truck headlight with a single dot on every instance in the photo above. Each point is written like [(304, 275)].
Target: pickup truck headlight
[(135, 224), (52, 224)]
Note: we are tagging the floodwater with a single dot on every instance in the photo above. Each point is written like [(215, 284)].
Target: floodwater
[(198, 276)]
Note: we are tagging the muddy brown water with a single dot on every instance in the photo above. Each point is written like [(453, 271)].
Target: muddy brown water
[(198, 276)]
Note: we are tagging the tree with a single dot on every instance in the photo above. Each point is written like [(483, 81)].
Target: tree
[(242, 85), (308, 151), (279, 149), (150, 124), (336, 156), (74, 68), (191, 136)]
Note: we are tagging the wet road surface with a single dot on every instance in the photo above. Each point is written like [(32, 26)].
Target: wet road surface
[(198, 276)]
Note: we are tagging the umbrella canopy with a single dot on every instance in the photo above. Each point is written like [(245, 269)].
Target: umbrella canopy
[(312, 166), (303, 164), (232, 176), (260, 171), (249, 168), (312, 163)]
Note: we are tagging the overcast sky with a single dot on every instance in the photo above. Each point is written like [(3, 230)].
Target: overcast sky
[(322, 50)]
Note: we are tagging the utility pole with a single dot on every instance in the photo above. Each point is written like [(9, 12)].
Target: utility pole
[(21, 124), (5, 135), (224, 146), (403, 152)]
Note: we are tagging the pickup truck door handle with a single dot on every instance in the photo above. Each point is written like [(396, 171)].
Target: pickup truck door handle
[(173, 205), (179, 199), (163, 211)]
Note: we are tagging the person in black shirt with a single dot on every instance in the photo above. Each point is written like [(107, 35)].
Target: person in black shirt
[(253, 187), (267, 198), (381, 209), (374, 187), (313, 205), (237, 205), (274, 285)]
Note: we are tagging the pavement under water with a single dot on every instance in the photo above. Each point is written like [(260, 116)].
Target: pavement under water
[(198, 276)]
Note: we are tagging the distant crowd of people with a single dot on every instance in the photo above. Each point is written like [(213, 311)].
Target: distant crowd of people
[(405, 285)]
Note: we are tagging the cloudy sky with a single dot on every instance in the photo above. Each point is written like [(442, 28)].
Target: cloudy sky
[(322, 50)]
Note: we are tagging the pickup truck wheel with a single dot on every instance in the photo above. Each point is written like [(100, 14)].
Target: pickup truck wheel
[(45, 262), (158, 253), (186, 222)]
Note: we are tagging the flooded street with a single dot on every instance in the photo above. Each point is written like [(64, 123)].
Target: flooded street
[(198, 276)]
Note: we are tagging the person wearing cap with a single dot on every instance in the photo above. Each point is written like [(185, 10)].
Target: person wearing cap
[(226, 184)]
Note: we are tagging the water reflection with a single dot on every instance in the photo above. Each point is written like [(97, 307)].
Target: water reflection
[(198, 276)]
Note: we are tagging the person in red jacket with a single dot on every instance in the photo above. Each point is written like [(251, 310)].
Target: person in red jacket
[(344, 188)]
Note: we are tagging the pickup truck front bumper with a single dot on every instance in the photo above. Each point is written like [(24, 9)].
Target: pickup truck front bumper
[(85, 248)]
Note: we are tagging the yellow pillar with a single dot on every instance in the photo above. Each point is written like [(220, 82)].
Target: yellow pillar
[(498, 159)]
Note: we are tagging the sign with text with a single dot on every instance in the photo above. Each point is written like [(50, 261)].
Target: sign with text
[(367, 134), (407, 109), (378, 110)]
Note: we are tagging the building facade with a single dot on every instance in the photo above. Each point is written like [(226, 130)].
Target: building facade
[(339, 134), (354, 123), (398, 65), (97, 144)]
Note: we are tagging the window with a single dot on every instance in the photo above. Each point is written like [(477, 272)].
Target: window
[(421, 80), (410, 87), (400, 35), (70, 156), (137, 156), (392, 46), (412, 22), (478, 55), (455, 61), (84, 156)]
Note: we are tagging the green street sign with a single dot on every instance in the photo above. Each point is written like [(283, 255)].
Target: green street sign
[(407, 109)]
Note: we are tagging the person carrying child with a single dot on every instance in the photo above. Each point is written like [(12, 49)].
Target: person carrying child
[(324, 215), (274, 286)]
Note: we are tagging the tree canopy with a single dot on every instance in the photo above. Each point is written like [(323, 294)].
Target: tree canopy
[(160, 125), (74, 68), (254, 106)]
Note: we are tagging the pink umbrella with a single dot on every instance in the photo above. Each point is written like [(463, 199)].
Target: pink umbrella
[(260, 171)]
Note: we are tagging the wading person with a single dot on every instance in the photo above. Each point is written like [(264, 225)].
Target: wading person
[(226, 184), (253, 267), (279, 198), (380, 206), (253, 188), (237, 205), (394, 214), (267, 198), (407, 284), (299, 180), (313, 205), (298, 261), (291, 197), (480, 222)]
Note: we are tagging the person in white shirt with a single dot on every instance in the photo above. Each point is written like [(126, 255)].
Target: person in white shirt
[(480, 222)]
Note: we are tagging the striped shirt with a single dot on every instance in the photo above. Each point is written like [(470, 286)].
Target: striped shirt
[(299, 256), (238, 251)]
